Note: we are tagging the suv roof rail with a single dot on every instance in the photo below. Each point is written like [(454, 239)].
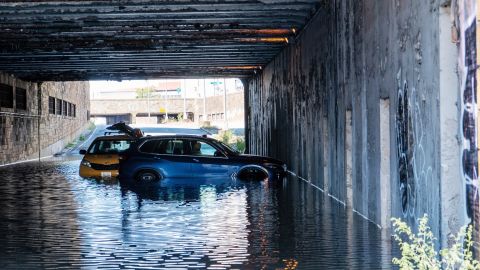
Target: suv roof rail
[(111, 132)]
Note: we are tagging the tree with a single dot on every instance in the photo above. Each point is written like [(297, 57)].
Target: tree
[(144, 92)]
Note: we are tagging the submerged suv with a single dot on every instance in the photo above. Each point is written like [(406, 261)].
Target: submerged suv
[(183, 156)]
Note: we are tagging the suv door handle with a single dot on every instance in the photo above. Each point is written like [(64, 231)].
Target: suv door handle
[(196, 160)]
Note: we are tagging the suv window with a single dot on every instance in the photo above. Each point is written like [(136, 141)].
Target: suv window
[(172, 147), (165, 146), (109, 146), (201, 148), (149, 146)]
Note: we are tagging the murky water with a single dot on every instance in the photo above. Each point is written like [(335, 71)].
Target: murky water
[(53, 219)]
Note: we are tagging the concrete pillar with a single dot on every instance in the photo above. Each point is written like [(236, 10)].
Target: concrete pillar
[(385, 154), (361, 205), (246, 93), (133, 117), (39, 118), (326, 149), (348, 158), (452, 188)]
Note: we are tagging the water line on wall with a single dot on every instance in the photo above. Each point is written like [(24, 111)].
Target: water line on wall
[(309, 182)]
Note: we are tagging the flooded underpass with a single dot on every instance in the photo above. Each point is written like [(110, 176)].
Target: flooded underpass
[(53, 219)]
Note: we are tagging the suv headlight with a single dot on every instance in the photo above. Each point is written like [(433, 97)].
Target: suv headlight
[(86, 163)]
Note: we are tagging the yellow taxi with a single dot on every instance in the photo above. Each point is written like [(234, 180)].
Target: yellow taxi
[(101, 159)]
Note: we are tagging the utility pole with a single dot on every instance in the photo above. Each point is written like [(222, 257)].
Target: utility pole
[(148, 102), (225, 121), (204, 102), (185, 100), (197, 94), (214, 86), (166, 111)]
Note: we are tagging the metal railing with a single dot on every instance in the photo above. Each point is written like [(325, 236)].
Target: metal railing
[(20, 115)]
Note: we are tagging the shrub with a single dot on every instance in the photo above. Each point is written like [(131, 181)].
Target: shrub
[(227, 136), (70, 145), (91, 126), (418, 250), (240, 145)]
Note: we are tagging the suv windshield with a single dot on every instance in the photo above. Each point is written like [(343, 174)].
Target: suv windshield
[(109, 146)]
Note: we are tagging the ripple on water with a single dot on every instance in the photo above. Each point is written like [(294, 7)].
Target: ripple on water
[(52, 218)]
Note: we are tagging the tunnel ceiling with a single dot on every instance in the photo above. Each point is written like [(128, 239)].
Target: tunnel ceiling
[(80, 40)]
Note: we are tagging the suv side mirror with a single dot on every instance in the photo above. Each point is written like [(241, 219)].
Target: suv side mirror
[(83, 152), (218, 154)]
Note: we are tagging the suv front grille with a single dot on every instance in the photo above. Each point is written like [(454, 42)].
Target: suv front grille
[(101, 167)]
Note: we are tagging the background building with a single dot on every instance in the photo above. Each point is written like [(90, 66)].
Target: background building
[(198, 101), (39, 119)]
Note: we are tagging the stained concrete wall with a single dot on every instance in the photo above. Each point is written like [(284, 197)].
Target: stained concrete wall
[(359, 56), (20, 137), (467, 204)]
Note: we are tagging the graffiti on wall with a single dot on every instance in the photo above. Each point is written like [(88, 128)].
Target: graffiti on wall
[(410, 136), (469, 127), (405, 143)]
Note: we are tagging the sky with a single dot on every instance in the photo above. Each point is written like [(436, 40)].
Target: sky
[(191, 84), (112, 85)]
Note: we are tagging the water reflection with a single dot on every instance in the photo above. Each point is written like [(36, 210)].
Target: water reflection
[(194, 224), (54, 219), (37, 213)]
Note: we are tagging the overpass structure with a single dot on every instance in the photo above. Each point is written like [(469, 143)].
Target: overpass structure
[(371, 102), (154, 111)]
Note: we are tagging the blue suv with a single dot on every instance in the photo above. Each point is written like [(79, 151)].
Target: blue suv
[(186, 156)]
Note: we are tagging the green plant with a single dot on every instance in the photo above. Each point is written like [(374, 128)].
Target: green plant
[(226, 136), (81, 138), (460, 255), (70, 145), (418, 250), (240, 144)]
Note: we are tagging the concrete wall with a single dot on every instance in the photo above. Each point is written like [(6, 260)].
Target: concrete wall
[(467, 36), (379, 60), (20, 138)]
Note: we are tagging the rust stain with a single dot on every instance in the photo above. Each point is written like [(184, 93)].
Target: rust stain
[(265, 40), (243, 67), (266, 31)]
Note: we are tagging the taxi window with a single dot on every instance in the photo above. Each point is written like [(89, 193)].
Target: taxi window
[(109, 146)]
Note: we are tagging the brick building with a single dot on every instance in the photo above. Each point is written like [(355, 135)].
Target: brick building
[(60, 109)]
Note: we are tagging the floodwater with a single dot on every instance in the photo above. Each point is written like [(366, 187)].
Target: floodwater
[(53, 219)]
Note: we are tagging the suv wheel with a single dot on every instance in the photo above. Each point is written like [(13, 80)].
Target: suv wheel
[(252, 173), (147, 176)]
